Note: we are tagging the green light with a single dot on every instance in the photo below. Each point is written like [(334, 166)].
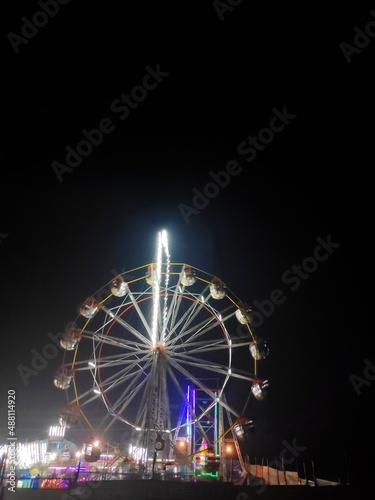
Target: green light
[(210, 474)]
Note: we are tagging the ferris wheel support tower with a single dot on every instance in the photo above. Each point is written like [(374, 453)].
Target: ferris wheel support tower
[(154, 416)]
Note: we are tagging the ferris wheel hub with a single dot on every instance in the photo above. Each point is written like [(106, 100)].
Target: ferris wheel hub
[(160, 348)]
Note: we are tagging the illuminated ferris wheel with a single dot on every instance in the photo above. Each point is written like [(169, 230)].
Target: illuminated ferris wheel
[(168, 350)]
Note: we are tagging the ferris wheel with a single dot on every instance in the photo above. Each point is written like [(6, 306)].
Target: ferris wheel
[(166, 349)]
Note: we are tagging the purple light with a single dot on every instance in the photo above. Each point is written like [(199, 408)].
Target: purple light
[(71, 467)]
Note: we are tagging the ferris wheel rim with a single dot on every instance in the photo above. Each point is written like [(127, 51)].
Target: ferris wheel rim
[(235, 302)]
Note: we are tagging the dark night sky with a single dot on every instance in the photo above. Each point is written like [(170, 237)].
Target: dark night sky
[(222, 82)]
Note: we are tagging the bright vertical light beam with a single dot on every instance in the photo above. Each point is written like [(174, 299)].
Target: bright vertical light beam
[(162, 248), (164, 237)]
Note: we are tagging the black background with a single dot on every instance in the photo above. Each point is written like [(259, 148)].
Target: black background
[(312, 181)]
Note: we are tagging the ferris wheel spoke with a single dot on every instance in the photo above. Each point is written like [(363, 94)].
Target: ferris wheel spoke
[(205, 326), (121, 377), (241, 375), (191, 377), (125, 400), (125, 359), (130, 392), (121, 362), (200, 332), (202, 346), (140, 313), (176, 299), (204, 388), (173, 311), (81, 401), (187, 359), (204, 365), (127, 326), (236, 345), (108, 361), (128, 371), (102, 338), (187, 317), (195, 309)]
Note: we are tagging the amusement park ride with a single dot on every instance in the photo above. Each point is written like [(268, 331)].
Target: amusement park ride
[(166, 349)]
